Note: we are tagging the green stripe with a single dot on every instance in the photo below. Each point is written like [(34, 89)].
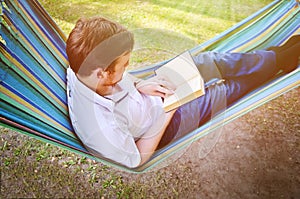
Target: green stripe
[(35, 86), (38, 33), (70, 149), (23, 115), (32, 90), (36, 56), (30, 115)]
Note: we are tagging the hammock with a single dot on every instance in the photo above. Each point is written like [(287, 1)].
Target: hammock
[(33, 66)]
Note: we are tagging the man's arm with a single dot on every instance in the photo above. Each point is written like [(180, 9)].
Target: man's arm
[(148, 143), (156, 87)]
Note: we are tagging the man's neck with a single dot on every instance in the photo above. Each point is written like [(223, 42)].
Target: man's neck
[(95, 85), (89, 81)]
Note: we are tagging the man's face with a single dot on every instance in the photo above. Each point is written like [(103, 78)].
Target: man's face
[(115, 75)]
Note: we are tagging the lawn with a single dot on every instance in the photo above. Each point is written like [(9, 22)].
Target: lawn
[(31, 168)]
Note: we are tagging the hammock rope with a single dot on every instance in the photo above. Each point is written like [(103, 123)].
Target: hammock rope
[(33, 68)]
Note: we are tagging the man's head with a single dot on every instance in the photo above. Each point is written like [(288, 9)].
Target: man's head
[(97, 43)]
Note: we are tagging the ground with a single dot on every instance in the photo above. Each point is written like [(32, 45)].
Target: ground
[(257, 156)]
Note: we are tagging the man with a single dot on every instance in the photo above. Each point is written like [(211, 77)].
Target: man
[(121, 118)]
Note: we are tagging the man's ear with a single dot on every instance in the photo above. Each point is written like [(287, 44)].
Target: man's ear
[(100, 73)]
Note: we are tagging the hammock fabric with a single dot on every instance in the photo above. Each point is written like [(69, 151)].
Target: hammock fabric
[(33, 66)]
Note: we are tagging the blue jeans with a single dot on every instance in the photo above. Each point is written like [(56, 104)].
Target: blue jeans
[(242, 73)]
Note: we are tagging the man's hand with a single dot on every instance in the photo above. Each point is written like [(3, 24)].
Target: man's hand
[(156, 86)]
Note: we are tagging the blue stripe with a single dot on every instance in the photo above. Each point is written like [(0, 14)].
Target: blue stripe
[(35, 69), (233, 29), (44, 130), (36, 102), (266, 28), (52, 87), (48, 30), (43, 49), (261, 26)]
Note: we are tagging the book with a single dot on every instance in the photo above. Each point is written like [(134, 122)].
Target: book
[(183, 73)]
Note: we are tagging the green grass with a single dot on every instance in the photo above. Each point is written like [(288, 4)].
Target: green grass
[(31, 168), (198, 20), (171, 26)]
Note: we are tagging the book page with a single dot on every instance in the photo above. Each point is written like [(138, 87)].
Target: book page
[(179, 70), (184, 93), (184, 75)]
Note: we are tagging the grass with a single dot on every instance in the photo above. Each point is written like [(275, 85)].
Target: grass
[(169, 25), (196, 19), (31, 168)]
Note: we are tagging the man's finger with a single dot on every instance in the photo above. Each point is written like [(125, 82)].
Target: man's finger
[(164, 90), (167, 84)]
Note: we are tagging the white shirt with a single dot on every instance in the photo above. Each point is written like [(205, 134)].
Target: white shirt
[(110, 125)]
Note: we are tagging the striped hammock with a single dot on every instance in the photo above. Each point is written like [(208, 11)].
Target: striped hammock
[(33, 68)]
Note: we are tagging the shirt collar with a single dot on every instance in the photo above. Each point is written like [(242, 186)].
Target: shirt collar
[(77, 86), (126, 85), (117, 96)]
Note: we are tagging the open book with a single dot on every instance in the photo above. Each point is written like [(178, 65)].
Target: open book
[(184, 75)]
